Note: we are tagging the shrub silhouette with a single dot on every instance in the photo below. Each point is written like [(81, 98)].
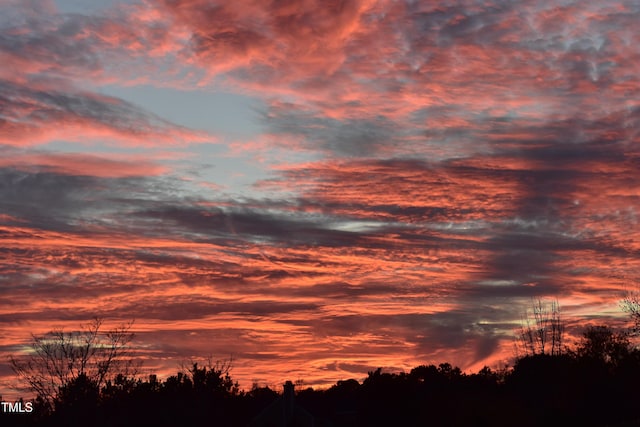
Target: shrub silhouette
[(593, 384)]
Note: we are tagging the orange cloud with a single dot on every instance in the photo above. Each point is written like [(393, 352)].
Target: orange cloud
[(462, 159), (84, 164)]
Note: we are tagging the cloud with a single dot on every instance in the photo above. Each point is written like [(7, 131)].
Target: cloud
[(78, 47), (52, 58), (433, 167), (79, 164), (37, 115), (293, 36), (342, 137)]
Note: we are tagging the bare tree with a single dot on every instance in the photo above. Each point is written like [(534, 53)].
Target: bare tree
[(541, 330), (58, 358), (631, 304), (557, 330)]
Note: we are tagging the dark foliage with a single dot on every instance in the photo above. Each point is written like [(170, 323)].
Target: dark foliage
[(595, 384)]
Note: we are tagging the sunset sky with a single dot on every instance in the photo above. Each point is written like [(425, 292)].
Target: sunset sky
[(316, 188)]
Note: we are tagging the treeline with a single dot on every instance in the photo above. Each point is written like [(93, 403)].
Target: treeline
[(597, 383), (88, 378)]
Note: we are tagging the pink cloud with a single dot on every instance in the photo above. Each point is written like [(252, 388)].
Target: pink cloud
[(39, 114), (469, 154), (294, 35), (84, 164)]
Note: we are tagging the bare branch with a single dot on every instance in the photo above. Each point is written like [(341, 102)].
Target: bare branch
[(58, 358), (539, 328), (631, 304)]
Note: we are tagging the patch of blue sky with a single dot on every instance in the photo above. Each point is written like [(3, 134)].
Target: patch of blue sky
[(226, 115), (95, 147), (84, 7)]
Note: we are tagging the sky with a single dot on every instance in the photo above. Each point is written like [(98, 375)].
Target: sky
[(316, 188)]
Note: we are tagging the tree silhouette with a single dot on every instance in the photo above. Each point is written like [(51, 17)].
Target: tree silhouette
[(77, 402), (213, 378), (604, 345), (591, 383), (542, 330), (60, 362), (631, 304)]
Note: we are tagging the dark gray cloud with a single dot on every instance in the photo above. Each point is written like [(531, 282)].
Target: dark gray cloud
[(344, 137), (54, 201), (46, 200), (257, 224)]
